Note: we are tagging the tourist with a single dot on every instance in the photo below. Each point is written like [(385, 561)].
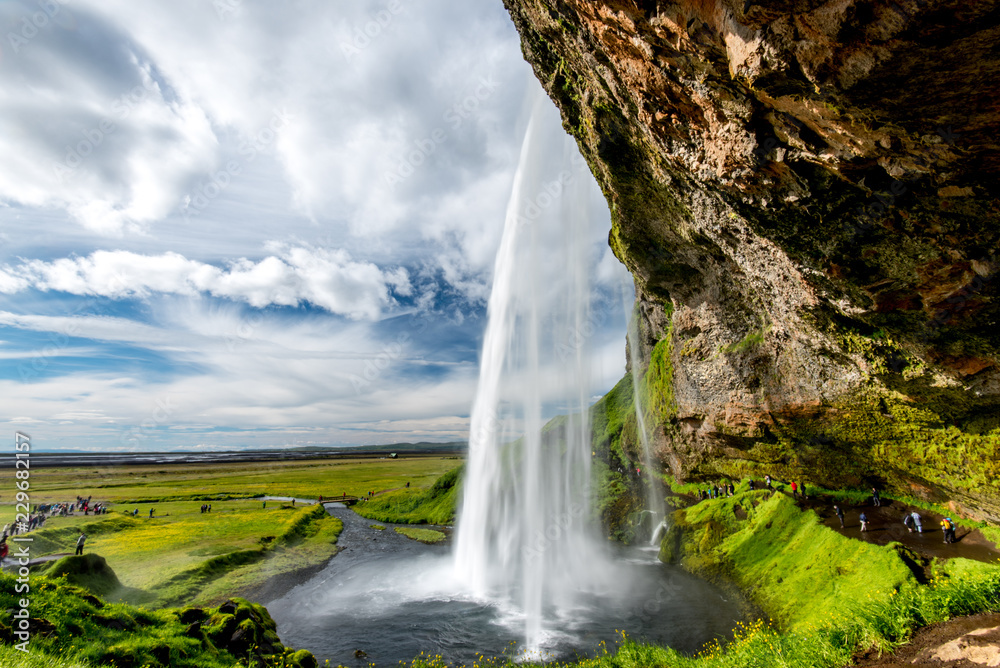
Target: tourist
[(916, 522), (751, 484), (795, 489), (79, 542), (802, 490), (263, 507), (151, 512), (908, 522), (875, 499), (948, 527), (864, 521), (840, 515)]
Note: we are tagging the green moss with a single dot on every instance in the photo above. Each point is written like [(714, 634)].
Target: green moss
[(82, 630), (423, 535), (751, 341), (657, 385), (89, 571)]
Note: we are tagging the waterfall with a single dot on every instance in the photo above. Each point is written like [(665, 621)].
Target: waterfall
[(654, 486), (524, 539)]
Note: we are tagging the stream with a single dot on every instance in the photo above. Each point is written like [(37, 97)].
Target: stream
[(392, 598)]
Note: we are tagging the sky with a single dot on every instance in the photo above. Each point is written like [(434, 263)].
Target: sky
[(235, 224)]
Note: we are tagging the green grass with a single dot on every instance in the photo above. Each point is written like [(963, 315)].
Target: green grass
[(199, 556), (13, 658), (826, 596), (428, 536), (183, 555), (75, 628), (434, 505), (306, 479)]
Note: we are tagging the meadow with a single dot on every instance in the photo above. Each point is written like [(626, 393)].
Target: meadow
[(182, 555), (178, 482)]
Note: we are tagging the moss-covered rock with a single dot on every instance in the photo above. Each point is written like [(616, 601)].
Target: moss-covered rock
[(89, 571), (813, 241)]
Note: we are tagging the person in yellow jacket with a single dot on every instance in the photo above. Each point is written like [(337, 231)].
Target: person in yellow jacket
[(948, 528)]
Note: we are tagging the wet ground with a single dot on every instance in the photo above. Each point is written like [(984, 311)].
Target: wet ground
[(885, 525)]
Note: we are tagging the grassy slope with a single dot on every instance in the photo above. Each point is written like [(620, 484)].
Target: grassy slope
[(827, 595), (200, 556), (433, 505), (76, 628)]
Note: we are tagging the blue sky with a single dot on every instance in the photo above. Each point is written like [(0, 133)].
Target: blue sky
[(236, 223)]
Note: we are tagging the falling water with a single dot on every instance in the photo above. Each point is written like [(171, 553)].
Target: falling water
[(527, 563), (523, 538), (654, 487)]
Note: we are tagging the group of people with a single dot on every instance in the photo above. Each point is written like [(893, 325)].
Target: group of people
[(911, 520), (205, 508), (798, 489), (716, 492)]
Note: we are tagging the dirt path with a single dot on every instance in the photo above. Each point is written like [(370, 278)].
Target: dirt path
[(886, 526), (12, 563), (965, 642)]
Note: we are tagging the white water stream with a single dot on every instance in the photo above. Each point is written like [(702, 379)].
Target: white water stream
[(524, 534)]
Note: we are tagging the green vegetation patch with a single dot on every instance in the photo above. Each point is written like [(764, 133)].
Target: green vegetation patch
[(89, 571), (433, 505), (827, 596), (73, 628), (198, 557), (428, 536), (162, 483)]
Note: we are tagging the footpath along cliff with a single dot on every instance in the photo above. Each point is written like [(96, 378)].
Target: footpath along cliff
[(805, 192)]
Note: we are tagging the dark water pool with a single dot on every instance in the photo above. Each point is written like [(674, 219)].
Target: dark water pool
[(392, 598)]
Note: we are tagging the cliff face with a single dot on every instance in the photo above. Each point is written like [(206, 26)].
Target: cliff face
[(806, 194)]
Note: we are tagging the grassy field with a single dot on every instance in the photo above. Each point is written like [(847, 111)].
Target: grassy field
[(158, 483), (184, 556)]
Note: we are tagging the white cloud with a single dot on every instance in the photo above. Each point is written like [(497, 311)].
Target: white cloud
[(386, 182), (329, 279), (93, 128)]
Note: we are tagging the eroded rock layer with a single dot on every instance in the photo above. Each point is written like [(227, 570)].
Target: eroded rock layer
[(806, 194)]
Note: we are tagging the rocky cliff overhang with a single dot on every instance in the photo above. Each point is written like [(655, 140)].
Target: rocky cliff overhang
[(806, 194)]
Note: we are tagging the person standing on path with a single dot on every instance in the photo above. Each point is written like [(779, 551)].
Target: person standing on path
[(795, 489), (79, 542), (864, 522), (916, 522), (151, 512), (875, 498), (948, 527), (840, 515)]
